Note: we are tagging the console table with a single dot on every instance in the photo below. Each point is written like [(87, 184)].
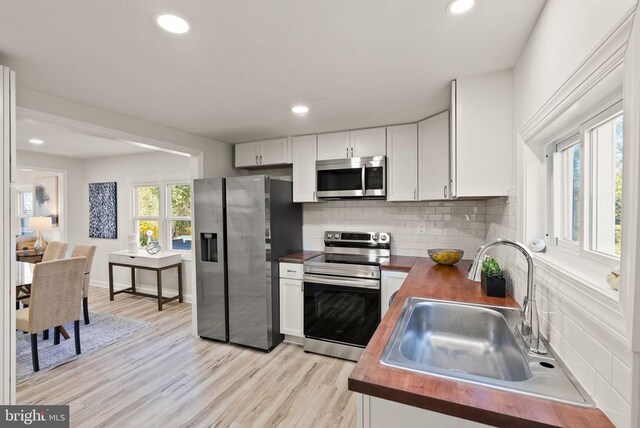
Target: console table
[(142, 260)]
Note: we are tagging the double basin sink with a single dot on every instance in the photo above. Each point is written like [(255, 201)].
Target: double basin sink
[(477, 344)]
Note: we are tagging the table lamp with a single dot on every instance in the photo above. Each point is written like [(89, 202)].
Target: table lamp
[(38, 224)]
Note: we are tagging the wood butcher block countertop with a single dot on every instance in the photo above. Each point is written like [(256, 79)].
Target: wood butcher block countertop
[(299, 257), (455, 398)]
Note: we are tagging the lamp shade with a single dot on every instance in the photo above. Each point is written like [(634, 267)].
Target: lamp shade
[(40, 223)]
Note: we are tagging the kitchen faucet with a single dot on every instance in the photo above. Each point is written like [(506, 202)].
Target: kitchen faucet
[(529, 328)]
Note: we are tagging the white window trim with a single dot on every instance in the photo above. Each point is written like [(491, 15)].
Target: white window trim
[(164, 221), (170, 217), (560, 224), (586, 195), (582, 248)]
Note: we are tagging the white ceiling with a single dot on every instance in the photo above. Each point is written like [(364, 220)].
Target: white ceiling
[(235, 76), (69, 143)]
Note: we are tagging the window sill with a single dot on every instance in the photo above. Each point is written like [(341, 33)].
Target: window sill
[(585, 273)]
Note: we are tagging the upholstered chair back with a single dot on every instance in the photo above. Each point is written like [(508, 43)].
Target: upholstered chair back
[(56, 293), (56, 250), (87, 251)]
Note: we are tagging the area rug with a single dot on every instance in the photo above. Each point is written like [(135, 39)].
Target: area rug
[(104, 330)]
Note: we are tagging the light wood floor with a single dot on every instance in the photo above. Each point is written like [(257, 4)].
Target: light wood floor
[(164, 377)]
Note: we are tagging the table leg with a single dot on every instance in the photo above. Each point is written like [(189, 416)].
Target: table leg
[(63, 332), (133, 279), (180, 299), (159, 280), (110, 282)]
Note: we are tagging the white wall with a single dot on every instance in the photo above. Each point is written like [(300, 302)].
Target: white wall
[(448, 224), (70, 185), (566, 33), (126, 170)]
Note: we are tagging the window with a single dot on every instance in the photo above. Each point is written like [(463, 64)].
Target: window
[(147, 213), (587, 187), (179, 216), (165, 210), (25, 210)]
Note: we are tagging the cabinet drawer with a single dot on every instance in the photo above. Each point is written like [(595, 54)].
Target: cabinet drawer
[(291, 270)]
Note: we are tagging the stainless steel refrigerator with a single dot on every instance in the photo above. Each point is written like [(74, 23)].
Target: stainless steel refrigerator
[(243, 225)]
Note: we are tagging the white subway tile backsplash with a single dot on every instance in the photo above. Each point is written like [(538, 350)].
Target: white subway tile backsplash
[(447, 223), (611, 403)]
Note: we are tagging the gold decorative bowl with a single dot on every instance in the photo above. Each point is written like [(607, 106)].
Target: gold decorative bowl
[(445, 256)]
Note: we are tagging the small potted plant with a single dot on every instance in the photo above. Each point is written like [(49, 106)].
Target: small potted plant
[(25, 251), (492, 278)]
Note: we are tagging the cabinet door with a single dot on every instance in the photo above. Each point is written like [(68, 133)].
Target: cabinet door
[(402, 162), (368, 142), (274, 152), (391, 282), (291, 312), (333, 146), (247, 154), (304, 168), (433, 157), (484, 143)]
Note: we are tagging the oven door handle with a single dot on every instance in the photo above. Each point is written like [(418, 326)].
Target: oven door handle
[(364, 179), (343, 282)]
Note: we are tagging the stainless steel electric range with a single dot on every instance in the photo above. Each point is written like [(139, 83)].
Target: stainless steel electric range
[(342, 293)]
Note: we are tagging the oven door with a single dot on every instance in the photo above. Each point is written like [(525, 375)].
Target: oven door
[(340, 309)]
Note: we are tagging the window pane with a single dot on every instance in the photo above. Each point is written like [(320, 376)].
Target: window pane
[(143, 227), (606, 186), (26, 201), (570, 193), (180, 200), (574, 157), (181, 235), (148, 200)]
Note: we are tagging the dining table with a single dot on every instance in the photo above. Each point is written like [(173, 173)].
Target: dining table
[(23, 287)]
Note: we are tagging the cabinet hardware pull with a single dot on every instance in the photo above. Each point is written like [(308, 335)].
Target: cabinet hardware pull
[(292, 271), (351, 151), (256, 159), (444, 190), (451, 188), (302, 287), (314, 195), (347, 151), (260, 159), (414, 193)]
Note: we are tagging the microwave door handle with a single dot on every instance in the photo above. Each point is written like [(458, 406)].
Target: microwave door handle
[(364, 186)]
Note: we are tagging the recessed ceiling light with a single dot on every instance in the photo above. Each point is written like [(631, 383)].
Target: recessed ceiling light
[(172, 23), (300, 109), (460, 6), (36, 141)]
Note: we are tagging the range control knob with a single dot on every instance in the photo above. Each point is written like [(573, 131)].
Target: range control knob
[(383, 237), (329, 235), (336, 235), (374, 237)]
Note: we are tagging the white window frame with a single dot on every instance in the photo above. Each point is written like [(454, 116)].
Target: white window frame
[(164, 218), (170, 217), (586, 178), (136, 217), (560, 189), (580, 135), (19, 206)]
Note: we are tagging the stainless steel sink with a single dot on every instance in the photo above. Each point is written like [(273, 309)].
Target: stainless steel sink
[(477, 344)]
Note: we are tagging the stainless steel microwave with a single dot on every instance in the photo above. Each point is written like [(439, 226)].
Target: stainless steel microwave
[(352, 178)]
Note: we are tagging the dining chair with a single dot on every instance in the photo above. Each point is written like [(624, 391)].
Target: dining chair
[(55, 250), (56, 291), (87, 251)]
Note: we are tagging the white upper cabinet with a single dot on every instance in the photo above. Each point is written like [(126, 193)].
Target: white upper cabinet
[(352, 144), (333, 146), (433, 157), (482, 135), (263, 153), (304, 168), (368, 142), (247, 154), (402, 162)]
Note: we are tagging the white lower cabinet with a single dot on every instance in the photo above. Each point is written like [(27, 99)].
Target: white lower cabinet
[(374, 412), (291, 299), (391, 282)]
